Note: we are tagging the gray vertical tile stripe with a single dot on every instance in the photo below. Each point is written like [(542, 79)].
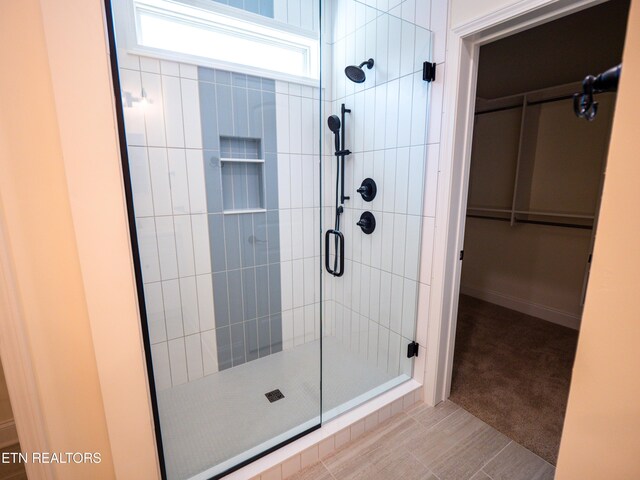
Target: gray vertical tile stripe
[(254, 98), (247, 240), (208, 115), (221, 303), (222, 77), (260, 239), (239, 178), (266, 8), (227, 170), (206, 75), (252, 6), (271, 180), (269, 121), (274, 289), (213, 183), (236, 307), (232, 241), (255, 83), (262, 291), (268, 85), (236, 3), (240, 111), (225, 109), (264, 336), (251, 339), (223, 344), (273, 233), (276, 332), (239, 80), (216, 242), (261, 7), (238, 352), (249, 293), (238, 121), (255, 187)]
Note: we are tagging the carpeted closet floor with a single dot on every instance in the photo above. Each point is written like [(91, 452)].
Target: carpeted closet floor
[(513, 371)]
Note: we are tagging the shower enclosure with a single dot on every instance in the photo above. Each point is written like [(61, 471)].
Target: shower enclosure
[(275, 157)]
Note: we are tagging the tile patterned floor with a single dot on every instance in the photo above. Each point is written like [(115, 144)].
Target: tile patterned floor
[(431, 443), (206, 421)]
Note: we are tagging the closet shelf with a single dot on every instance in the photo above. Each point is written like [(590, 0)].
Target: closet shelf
[(555, 214), (532, 212), (529, 221), (486, 209)]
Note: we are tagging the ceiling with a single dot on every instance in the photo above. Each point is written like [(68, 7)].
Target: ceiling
[(559, 52)]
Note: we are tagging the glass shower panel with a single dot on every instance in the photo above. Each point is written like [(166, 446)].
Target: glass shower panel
[(224, 165), (379, 98)]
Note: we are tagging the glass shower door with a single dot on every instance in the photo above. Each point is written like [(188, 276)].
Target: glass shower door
[(223, 160), (374, 164)]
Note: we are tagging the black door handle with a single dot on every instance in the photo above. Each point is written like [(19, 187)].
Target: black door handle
[(339, 252)]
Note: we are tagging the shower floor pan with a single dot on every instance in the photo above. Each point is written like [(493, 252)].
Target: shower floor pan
[(217, 421)]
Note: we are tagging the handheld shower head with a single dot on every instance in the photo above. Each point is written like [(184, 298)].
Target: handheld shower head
[(356, 73), (334, 125)]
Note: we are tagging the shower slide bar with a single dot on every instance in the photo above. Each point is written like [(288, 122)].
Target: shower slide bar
[(337, 126)]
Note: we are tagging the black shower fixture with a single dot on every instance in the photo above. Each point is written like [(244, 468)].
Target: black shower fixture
[(368, 189), (356, 74), (367, 222), (334, 125)]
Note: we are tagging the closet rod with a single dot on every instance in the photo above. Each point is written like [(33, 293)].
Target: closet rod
[(533, 222), (537, 102)]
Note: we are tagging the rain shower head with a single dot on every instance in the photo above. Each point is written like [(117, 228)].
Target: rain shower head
[(356, 74)]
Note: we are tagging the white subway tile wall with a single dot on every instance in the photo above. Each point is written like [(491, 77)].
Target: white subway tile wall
[(373, 308), (391, 142), (170, 204), (298, 140), (165, 152)]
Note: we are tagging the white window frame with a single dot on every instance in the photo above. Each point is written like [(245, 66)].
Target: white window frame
[(212, 19)]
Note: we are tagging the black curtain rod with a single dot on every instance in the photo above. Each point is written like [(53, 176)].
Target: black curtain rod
[(533, 222), (537, 102)]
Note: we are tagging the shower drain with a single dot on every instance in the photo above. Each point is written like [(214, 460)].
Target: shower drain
[(274, 395)]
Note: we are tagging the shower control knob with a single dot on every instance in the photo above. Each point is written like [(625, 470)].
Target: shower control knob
[(367, 222), (368, 189)]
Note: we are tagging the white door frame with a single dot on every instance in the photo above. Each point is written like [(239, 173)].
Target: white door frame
[(463, 48), (18, 368)]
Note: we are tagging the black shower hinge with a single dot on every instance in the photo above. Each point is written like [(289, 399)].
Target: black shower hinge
[(461, 254), (412, 350), (428, 71)]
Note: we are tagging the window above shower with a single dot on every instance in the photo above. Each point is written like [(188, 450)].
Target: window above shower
[(228, 35)]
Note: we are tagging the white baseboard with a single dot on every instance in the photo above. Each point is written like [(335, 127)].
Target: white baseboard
[(8, 433), (549, 314)]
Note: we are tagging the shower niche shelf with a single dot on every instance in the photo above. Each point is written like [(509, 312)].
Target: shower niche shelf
[(242, 168)]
